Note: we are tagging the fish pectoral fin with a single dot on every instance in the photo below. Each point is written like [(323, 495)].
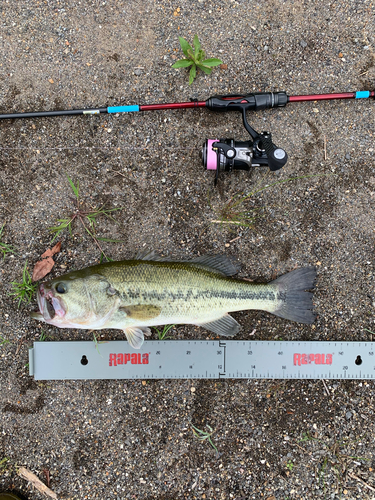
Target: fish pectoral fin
[(141, 312), (226, 326), (38, 316), (135, 335)]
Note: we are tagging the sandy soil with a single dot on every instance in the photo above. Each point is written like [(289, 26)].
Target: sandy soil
[(131, 439)]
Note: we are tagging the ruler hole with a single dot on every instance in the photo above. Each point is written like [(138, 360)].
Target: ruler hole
[(84, 360), (358, 360)]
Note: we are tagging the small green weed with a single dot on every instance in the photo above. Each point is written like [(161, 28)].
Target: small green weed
[(334, 458), (23, 291), (4, 463), (4, 247), (290, 465), (204, 435), (97, 342), (233, 212), (162, 333), (88, 219), (196, 58), (3, 341), (42, 337)]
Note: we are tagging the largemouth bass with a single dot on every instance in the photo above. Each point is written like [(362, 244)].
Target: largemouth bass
[(133, 295)]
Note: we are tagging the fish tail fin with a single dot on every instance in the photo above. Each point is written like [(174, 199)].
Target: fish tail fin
[(296, 303)]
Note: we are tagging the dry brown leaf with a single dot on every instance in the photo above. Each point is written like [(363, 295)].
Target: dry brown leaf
[(42, 267), (55, 249), (36, 482), (47, 253)]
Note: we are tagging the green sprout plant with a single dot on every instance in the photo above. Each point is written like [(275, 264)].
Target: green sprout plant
[(290, 465), (4, 247), (204, 435), (195, 58), (23, 291), (162, 334), (88, 219)]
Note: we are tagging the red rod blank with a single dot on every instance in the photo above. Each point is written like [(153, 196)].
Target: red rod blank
[(175, 105), (320, 97)]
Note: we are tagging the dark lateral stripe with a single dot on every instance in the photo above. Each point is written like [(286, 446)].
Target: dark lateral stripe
[(204, 294)]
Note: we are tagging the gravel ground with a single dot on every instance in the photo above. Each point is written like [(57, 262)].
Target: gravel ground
[(133, 439)]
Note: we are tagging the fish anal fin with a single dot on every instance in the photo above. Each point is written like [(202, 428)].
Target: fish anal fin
[(135, 335), (141, 312), (225, 326)]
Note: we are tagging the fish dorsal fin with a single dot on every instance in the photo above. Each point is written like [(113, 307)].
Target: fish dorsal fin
[(226, 326), (148, 254), (141, 312), (135, 335), (217, 263)]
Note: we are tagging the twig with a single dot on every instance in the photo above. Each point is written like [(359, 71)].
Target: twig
[(326, 388), (362, 481), (225, 222), (93, 237), (325, 147), (234, 239), (298, 446), (119, 173), (36, 482)]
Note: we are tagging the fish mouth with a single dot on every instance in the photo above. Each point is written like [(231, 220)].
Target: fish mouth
[(50, 307)]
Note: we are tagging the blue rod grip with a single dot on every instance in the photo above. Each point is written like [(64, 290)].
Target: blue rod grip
[(363, 94), (123, 109)]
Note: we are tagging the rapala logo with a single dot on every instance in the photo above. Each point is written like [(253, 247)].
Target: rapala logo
[(135, 358), (307, 359)]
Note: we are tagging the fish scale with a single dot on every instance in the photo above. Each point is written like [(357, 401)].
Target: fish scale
[(186, 288)]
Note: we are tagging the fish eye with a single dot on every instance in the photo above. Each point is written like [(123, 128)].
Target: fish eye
[(60, 288)]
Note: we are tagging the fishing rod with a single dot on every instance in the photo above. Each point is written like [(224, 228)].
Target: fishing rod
[(223, 154)]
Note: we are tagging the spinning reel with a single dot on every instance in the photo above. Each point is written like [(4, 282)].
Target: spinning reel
[(225, 155)]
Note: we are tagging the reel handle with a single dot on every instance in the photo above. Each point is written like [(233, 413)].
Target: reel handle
[(277, 157)]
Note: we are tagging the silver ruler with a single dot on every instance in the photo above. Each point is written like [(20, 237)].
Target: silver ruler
[(202, 359)]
